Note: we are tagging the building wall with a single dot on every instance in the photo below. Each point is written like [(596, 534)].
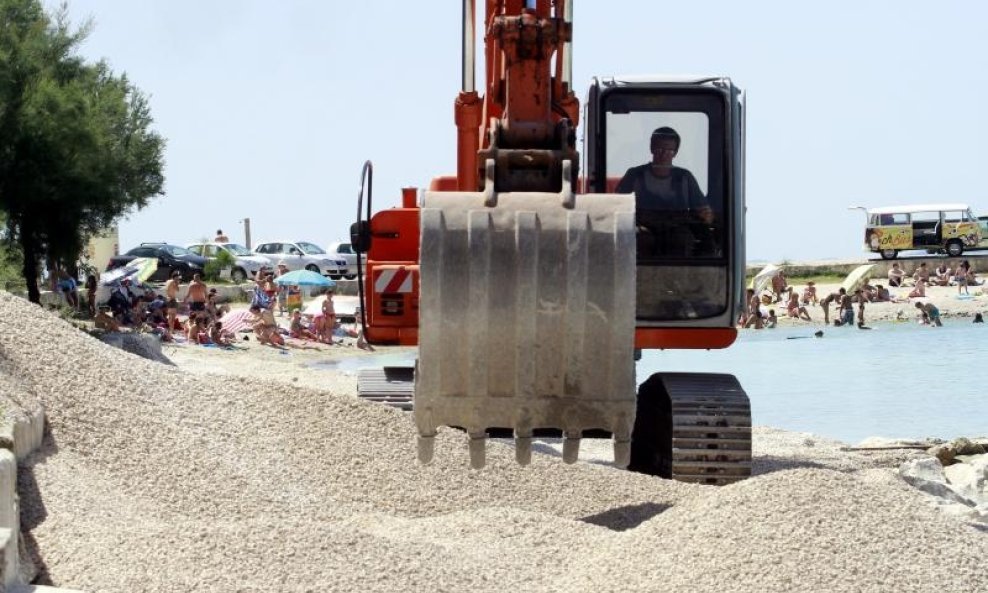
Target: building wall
[(100, 249)]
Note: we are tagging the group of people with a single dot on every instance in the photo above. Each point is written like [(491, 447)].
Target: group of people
[(851, 307), (945, 274), (144, 309), (268, 296)]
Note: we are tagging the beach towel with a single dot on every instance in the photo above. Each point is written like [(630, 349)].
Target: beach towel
[(237, 321)]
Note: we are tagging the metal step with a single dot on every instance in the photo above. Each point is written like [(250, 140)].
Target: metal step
[(393, 386)]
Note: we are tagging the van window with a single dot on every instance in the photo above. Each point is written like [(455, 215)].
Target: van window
[(955, 216), (928, 217), (888, 219)]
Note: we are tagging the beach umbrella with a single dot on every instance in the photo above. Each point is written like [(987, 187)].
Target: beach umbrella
[(137, 270), (304, 278), (857, 278), (762, 279)]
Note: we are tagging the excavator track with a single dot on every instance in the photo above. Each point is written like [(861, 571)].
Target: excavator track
[(693, 427)]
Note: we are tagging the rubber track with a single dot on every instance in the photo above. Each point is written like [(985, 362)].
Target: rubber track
[(711, 428)]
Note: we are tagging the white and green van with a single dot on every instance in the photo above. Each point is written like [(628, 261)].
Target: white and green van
[(949, 228)]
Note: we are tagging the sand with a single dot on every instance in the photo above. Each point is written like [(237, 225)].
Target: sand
[(250, 471)]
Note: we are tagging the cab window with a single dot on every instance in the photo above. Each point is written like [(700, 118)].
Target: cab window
[(668, 150)]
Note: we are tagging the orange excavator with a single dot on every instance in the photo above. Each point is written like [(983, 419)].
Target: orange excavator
[(532, 280)]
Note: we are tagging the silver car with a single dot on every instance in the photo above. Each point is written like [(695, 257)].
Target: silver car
[(301, 255), (246, 264)]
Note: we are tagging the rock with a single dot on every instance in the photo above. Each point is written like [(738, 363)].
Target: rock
[(143, 345), (927, 468), (963, 446), (944, 453), (887, 443), (967, 480), (927, 476)]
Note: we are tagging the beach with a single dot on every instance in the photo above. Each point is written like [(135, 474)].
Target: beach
[(902, 307)]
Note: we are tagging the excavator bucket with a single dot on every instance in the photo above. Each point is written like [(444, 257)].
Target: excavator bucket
[(526, 318)]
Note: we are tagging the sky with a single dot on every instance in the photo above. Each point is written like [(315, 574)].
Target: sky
[(270, 109)]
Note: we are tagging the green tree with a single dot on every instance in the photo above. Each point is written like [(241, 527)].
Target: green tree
[(76, 148)]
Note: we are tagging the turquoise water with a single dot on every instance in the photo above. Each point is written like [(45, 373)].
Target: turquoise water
[(899, 380)]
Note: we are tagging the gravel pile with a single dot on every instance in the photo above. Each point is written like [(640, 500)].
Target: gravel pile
[(154, 480)]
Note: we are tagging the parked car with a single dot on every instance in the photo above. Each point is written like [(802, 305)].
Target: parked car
[(170, 258), (246, 264), (302, 255), (345, 252)]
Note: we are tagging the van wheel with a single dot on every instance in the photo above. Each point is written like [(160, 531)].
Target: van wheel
[(238, 275), (889, 253), (955, 248), (312, 268)]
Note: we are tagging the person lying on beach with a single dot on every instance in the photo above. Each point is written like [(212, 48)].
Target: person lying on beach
[(881, 294), (930, 313)]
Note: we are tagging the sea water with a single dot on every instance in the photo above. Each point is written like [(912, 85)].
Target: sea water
[(898, 380)]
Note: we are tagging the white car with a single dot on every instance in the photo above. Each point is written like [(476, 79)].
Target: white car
[(345, 251), (246, 264), (301, 255)]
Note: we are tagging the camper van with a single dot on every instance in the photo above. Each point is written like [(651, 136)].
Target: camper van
[(949, 228)]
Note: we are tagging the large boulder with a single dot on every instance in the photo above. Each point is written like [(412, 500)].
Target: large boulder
[(142, 344)]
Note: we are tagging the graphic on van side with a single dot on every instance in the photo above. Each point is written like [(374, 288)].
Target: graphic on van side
[(890, 237), (968, 232)]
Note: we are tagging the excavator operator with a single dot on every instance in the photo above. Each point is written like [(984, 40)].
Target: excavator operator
[(672, 213)]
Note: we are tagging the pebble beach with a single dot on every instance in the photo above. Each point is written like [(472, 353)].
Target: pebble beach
[(249, 470)]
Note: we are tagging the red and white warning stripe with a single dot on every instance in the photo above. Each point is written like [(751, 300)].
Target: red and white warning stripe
[(393, 280)]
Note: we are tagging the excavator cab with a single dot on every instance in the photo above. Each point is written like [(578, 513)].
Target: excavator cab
[(678, 144)]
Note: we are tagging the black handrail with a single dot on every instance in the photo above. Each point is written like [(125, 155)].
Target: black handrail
[(360, 236)]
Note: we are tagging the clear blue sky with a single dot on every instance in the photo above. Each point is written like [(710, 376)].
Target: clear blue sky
[(270, 109)]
